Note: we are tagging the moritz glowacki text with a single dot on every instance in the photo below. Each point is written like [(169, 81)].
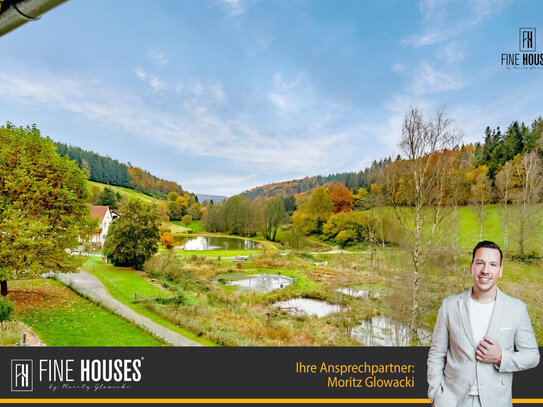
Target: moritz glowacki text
[(362, 375)]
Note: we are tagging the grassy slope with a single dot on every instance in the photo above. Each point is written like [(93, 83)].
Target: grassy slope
[(493, 228), (60, 317), (123, 282), (468, 227), (126, 192)]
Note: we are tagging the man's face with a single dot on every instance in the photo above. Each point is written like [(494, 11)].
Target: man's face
[(485, 269)]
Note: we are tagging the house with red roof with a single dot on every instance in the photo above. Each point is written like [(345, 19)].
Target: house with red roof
[(105, 217)]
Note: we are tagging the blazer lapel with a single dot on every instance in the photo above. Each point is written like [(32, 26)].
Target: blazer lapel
[(464, 315), (496, 313)]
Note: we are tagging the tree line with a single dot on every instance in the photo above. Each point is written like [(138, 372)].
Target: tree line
[(241, 216), (352, 180)]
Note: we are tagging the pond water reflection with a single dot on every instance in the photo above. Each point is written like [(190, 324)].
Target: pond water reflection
[(307, 306), (381, 331), (218, 243), (353, 292), (262, 282)]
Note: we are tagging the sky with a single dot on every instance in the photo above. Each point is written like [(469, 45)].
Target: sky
[(222, 96)]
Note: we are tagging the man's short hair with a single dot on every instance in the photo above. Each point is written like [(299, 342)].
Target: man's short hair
[(488, 244)]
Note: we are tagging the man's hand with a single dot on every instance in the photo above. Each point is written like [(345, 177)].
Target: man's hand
[(489, 351)]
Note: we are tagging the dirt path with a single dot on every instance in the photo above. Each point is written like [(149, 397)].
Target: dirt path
[(93, 288)]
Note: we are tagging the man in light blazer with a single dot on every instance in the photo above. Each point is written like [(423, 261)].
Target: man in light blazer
[(481, 337)]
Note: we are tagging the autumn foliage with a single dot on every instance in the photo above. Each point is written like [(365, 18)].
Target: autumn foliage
[(167, 240), (341, 197)]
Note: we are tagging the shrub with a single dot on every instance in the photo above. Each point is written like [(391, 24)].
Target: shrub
[(180, 298), (187, 219), (164, 264), (10, 332), (529, 258), (6, 308)]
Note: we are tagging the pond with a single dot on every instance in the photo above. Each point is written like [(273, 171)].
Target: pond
[(216, 243), (381, 331), (353, 292), (259, 282), (307, 306)]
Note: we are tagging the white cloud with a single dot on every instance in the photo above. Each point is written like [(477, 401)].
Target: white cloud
[(202, 95), (446, 19), (451, 53), (398, 67), (260, 45), (157, 84), (140, 73), (428, 79), (157, 56), (234, 7), (285, 96), (188, 128)]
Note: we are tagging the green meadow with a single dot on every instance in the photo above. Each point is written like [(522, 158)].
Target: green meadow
[(60, 317)]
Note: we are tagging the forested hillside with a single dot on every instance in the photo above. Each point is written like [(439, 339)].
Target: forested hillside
[(106, 170), (352, 180)]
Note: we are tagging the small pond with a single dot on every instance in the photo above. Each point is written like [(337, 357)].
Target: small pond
[(259, 282), (307, 306), (354, 292), (381, 331), (216, 243)]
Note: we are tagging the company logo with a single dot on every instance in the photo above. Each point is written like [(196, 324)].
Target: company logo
[(526, 39), (72, 374), (21, 375), (526, 58)]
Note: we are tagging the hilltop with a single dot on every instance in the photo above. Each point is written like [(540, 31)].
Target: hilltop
[(106, 170)]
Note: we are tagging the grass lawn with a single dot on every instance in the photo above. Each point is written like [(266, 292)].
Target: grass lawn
[(123, 282), (60, 317), (195, 226)]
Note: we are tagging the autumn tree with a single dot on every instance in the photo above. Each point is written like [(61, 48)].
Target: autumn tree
[(415, 189), (272, 214), (174, 210), (480, 194), (529, 174), (167, 240), (187, 220), (183, 203), (172, 196), (341, 197), (505, 183), (133, 237), (347, 228), (361, 199), (163, 211), (43, 206), (195, 211), (313, 210), (237, 215)]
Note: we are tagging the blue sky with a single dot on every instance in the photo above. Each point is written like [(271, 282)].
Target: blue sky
[(224, 95)]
